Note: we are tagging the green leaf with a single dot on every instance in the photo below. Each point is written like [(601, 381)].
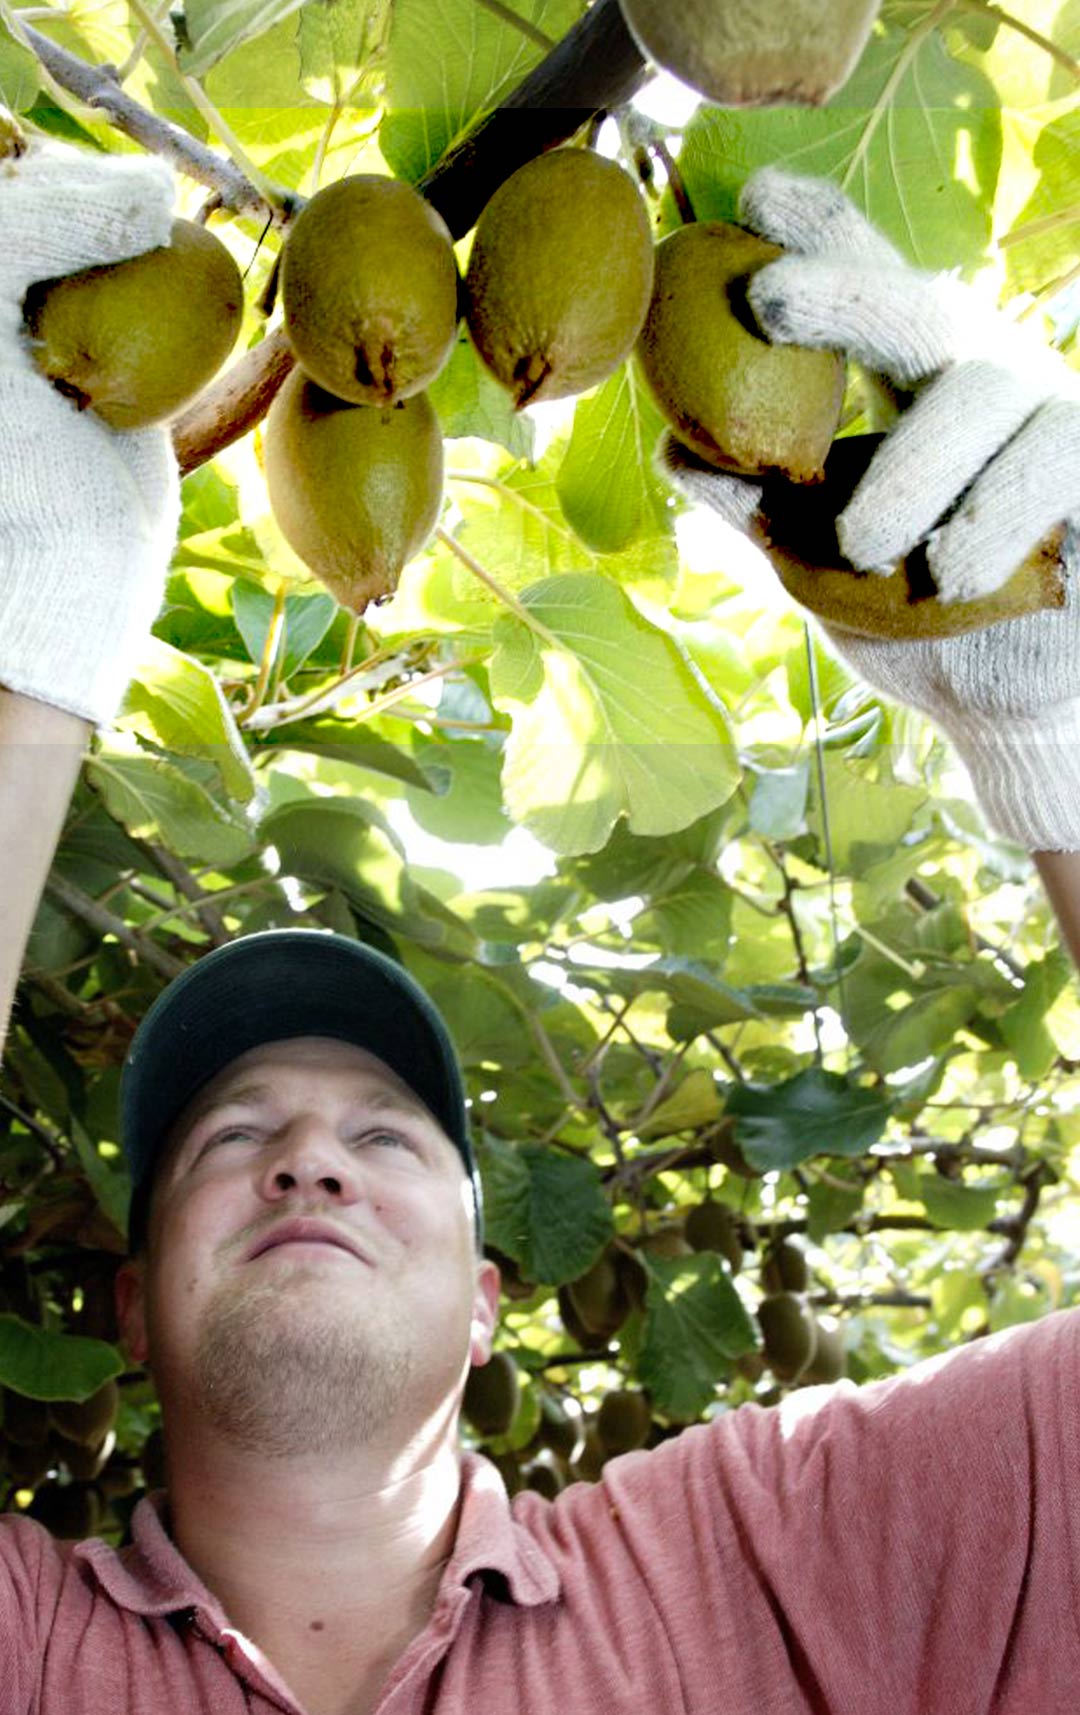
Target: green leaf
[(470, 402), (890, 137), (695, 1324), (347, 741), (471, 809), (814, 1113), (866, 817), (448, 61), (1024, 1025), (20, 74), (307, 620), (344, 843), (956, 1206), (110, 1185), (778, 803), (545, 1209), (155, 799), (174, 700), (958, 1296), (1041, 245), (336, 41), (829, 1207), (586, 747), (692, 920), (46, 1365), (215, 27), (694, 1102), (608, 488)]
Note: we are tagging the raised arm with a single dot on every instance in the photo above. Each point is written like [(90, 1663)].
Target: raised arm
[(40, 751), (976, 472), (87, 517)]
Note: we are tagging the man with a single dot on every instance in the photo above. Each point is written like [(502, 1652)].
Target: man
[(305, 1284)]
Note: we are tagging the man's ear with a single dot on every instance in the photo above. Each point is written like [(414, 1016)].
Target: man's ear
[(131, 1309), (485, 1311)]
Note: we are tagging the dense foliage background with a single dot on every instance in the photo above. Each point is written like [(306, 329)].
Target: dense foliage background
[(706, 919)]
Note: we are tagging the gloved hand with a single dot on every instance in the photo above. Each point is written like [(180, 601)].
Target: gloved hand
[(991, 443), (87, 516)]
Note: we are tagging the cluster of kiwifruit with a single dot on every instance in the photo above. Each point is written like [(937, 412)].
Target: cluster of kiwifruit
[(569, 1445), (798, 1347), (63, 1451)]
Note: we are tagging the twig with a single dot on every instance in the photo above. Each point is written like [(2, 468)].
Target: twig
[(675, 181), (53, 1145), (89, 911), (927, 900), (509, 16), (97, 87)]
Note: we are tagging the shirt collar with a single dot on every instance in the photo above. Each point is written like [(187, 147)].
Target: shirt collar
[(151, 1576)]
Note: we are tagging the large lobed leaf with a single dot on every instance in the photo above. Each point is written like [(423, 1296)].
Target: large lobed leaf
[(609, 719)]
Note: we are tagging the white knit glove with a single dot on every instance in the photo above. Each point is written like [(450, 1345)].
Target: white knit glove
[(991, 443), (87, 516)]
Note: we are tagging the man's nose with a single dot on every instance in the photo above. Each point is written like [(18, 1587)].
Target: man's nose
[(307, 1156)]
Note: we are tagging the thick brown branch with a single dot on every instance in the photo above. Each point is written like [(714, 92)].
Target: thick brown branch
[(96, 85), (238, 400), (596, 67)]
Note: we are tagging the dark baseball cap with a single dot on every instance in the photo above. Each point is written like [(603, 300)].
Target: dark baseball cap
[(264, 988)]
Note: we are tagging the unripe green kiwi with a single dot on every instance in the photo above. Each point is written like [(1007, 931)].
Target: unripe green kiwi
[(599, 1298), (491, 1397), (829, 1363), (623, 1421), (790, 1334), (712, 1226), (87, 1421), (784, 1268), (544, 1475)]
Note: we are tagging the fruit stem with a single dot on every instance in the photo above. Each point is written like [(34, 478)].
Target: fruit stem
[(517, 608)]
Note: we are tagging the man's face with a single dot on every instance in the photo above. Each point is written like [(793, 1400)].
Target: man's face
[(310, 1281)]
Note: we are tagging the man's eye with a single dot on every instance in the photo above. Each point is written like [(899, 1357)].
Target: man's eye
[(384, 1139)]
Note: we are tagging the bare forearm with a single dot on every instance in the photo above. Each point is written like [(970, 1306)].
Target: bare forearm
[(1060, 872), (40, 752)]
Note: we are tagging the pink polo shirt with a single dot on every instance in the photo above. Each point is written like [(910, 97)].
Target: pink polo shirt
[(906, 1548)]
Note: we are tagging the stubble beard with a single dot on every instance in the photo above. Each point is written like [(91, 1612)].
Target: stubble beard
[(284, 1384)]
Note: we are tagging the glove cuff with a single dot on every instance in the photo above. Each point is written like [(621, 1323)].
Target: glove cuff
[(1025, 771)]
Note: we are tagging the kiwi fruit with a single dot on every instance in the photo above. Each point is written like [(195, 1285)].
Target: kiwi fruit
[(712, 1226), (790, 1334), (667, 1242), (561, 1427), (599, 1298), (798, 533), (492, 1392), (739, 403), (69, 1511), (829, 1362), (136, 340), (544, 1475), (355, 489), (784, 1268), (87, 1421), (731, 397), (559, 276), (775, 53), (623, 1421), (369, 290), (592, 1458)]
